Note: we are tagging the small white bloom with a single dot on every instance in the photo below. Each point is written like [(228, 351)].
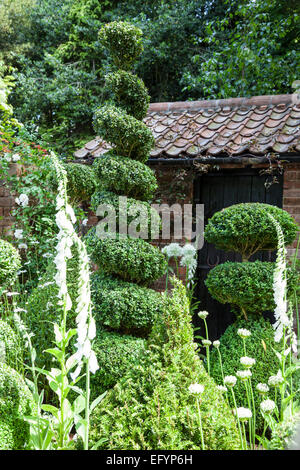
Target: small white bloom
[(15, 157), (222, 388), (174, 249), (206, 342), (196, 389), (84, 222), (262, 388), (275, 380), (244, 374), (267, 406), (189, 250), (230, 380), (22, 200), (18, 233), (243, 413), (216, 343), (247, 362), (243, 333), (22, 246), (202, 315), (93, 363)]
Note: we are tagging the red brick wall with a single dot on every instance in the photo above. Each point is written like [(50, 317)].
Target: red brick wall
[(7, 203), (291, 196)]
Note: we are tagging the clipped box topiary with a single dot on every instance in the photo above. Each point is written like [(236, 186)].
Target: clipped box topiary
[(11, 352), (246, 228), (16, 401), (10, 263)]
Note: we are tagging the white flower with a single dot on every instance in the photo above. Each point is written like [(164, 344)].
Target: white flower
[(196, 389), (262, 388), (243, 333), (216, 343), (247, 362), (174, 249), (93, 363), (22, 246), (189, 250), (18, 233), (275, 380), (22, 200), (84, 222), (243, 413), (206, 342), (15, 157), (244, 374), (230, 380), (267, 406), (202, 315), (222, 388)]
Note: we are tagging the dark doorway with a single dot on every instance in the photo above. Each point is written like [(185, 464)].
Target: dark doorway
[(216, 191)]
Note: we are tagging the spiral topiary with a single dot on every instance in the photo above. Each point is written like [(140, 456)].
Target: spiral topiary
[(16, 401), (11, 352), (123, 304), (10, 263)]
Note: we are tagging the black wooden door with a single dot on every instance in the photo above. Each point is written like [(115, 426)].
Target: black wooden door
[(216, 191)]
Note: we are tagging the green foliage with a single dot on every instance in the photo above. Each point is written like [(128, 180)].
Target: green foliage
[(15, 401), (151, 407), (129, 91), (246, 228), (125, 176), (124, 42), (138, 212), (130, 137), (81, 182), (11, 352), (260, 346), (124, 306), (132, 259), (246, 285), (116, 353), (10, 263), (286, 433)]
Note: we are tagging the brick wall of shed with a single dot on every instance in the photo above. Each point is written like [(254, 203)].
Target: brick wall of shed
[(7, 203)]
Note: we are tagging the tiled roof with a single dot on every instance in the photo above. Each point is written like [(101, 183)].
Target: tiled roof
[(256, 125)]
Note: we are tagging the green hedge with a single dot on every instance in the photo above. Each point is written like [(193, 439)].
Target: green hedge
[(15, 402), (132, 259), (116, 354), (10, 263), (138, 215), (81, 181), (247, 285), (125, 176), (246, 228), (123, 305), (151, 408), (131, 137), (11, 352), (231, 349)]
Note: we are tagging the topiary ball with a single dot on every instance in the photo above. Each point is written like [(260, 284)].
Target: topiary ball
[(125, 176), (248, 286), (246, 228), (260, 346), (124, 305), (131, 259), (10, 347), (16, 401), (10, 263), (116, 353), (124, 42)]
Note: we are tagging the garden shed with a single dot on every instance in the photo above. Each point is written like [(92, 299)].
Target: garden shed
[(219, 153)]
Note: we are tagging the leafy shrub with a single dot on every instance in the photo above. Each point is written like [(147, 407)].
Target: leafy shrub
[(129, 91), (138, 213), (246, 228), (130, 137), (125, 176), (15, 401), (260, 346), (10, 346), (81, 181), (151, 407), (10, 263), (132, 259), (124, 42), (286, 434), (116, 354), (123, 305), (246, 285)]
